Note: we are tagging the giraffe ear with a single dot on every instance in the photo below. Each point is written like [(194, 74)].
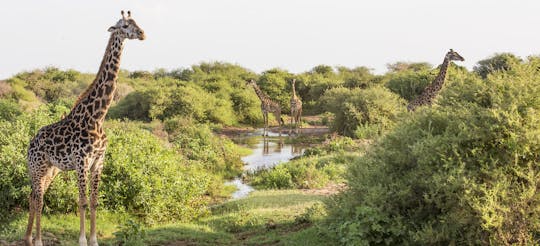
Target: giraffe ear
[(112, 29)]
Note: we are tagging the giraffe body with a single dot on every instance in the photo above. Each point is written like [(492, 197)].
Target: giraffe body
[(78, 141), (267, 106), (296, 109), (432, 90)]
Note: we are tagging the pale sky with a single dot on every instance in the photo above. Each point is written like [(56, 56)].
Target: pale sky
[(295, 35)]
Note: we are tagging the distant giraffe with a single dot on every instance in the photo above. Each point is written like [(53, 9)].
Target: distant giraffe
[(77, 142), (431, 91), (267, 106), (296, 109)]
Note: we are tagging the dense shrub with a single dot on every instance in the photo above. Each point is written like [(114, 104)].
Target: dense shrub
[(9, 109), (208, 98), (218, 155), (15, 134), (497, 62), (146, 178), (410, 84), (52, 83), (465, 172), (362, 113), (134, 106), (141, 176)]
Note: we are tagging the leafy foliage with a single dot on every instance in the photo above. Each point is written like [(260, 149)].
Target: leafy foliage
[(145, 178), (462, 173), (362, 113), (317, 168), (498, 62), (410, 84)]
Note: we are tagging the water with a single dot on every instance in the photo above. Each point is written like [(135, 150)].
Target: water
[(267, 153)]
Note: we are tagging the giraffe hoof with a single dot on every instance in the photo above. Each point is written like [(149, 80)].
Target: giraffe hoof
[(82, 241), (28, 242), (93, 241)]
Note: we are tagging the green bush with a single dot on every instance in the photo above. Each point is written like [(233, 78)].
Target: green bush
[(141, 175), (9, 109), (318, 167), (197, 142), (465, 172), (130, 233), (410, 84), (362, 113), (15, 134), (147, 179), (497, 62)]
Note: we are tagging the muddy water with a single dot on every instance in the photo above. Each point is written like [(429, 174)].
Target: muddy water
[(267, 153)]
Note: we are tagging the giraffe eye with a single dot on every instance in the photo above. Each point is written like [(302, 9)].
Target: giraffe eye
[(124, 26)]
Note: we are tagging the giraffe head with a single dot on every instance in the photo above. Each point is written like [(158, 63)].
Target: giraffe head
[(251, 82), (127, 28), (454, 56)]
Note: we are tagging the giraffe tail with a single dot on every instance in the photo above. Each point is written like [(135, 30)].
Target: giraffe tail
[(282, 122)]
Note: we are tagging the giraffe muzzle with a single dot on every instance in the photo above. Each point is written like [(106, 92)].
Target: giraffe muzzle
[(142, 36)]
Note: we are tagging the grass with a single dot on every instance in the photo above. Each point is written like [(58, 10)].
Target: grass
[(64, 228), (264, 218)]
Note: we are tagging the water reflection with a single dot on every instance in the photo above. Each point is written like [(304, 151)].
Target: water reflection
[(268, 152), (279, 142)]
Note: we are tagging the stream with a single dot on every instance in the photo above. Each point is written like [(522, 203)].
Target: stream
[(267, 153)]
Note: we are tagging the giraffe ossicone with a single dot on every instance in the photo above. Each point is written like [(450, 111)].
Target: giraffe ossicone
[(78, 141)]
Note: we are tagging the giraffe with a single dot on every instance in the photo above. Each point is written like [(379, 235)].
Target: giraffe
[(431, 91), (78, 142), (296, 109), (267, 106)]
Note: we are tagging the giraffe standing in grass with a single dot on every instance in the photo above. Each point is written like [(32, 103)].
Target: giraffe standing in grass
[(296, 109), (267, 106), (427, 96), (77, 142)]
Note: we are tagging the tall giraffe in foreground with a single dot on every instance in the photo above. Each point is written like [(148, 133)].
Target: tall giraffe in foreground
[(431, 91), (77, 142), (267, 106), (296, 109)]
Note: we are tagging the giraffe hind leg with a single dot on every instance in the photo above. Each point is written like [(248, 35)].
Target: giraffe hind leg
[(39, 186)]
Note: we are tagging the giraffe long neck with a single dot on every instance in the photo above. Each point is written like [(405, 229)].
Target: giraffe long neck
[(260, 94), (294, 89), (96, 100), (439, 80)]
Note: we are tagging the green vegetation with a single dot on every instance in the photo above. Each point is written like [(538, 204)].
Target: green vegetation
[(463, 171), (284, 217), (317, 168), (362, 113)]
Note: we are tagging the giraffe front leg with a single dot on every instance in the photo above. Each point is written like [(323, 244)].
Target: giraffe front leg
[(83, 202), (265, 119), (96, 177), (38, 207), (291, 126), (299, 122)]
